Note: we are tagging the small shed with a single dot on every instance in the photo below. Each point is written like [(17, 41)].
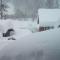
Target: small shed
[(48, 18)]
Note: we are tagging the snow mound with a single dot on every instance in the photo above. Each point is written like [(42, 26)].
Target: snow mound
[(16, 24), (37, 46)]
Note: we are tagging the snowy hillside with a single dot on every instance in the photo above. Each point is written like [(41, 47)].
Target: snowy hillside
[(37, 46)]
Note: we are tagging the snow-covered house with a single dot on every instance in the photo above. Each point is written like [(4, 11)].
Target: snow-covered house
[(48, 17)]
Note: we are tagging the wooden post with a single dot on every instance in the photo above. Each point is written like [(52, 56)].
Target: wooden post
[(38, 21)]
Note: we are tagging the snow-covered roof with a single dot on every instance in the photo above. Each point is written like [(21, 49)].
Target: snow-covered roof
[(49, 15)]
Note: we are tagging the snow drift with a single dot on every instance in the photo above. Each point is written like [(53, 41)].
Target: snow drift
[(18, 26), (37, 46)]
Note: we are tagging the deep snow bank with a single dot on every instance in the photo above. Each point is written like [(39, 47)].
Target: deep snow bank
[(37, 46), (18, 26)]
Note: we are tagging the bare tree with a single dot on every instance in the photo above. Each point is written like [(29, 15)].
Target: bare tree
[(3, 8), (52, 4)]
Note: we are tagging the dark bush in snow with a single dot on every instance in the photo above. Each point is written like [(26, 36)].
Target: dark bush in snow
[(9, 32), (58, 26)]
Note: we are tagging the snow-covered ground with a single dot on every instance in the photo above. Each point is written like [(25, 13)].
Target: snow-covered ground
[(37, 46), (21, 29), (6, 24), (29, 46)]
